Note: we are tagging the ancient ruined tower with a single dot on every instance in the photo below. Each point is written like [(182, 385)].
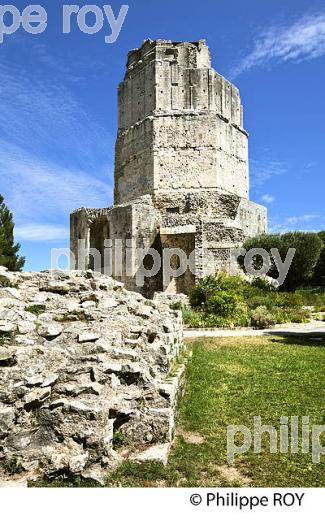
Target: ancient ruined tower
[(181, 168)]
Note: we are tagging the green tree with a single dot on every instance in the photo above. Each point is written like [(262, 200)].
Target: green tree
[(8, 249), (308, 247), (319, 274)]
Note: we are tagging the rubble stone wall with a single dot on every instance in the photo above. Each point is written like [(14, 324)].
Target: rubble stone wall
[(83, 363)]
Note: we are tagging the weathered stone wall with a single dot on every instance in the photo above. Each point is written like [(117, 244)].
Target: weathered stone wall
[(134, 163), (83, 362), (89, 229), (211, 222), (137, 226), (200, 151)]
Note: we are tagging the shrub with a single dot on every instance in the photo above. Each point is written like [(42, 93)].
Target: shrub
[(262, 318), (228, 282), (210, 285), (257, 301), (288, 300), (205, 288), (119, 439), (299, 316), (176, 306), (242, 316), (198, 319), (311, 297), (231, 301), (290, 315), (193, 319), (37, 308), (213, 320), (262, 283), (275, 299), (222, 303)]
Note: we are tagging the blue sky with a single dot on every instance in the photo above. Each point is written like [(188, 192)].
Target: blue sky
[(58, 99)]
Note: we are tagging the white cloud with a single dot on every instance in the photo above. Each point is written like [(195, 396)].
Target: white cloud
[(262, 171), (42, 191), (268, 199), (54, 156), (302, 40), (43, 116), (41, 232), (302, 218), (307, 222)]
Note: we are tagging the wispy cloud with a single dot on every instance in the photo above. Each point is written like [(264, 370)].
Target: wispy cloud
[(301, 40), (36, 188), (268, 199), (42, 115), (54, 156), (307, 222), (302, 218), (41, 232), (263, 170)]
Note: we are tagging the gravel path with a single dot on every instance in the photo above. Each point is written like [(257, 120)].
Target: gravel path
[(313, 329)]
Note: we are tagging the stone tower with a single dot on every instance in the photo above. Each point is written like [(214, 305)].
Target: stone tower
[(181, 167), (180, 125)]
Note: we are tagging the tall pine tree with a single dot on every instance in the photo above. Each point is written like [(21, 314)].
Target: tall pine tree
[(8, 249)]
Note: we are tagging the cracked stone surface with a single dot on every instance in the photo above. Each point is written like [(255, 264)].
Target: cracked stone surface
[(75, 378)]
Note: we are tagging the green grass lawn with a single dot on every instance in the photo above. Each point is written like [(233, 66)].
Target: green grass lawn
[(229, 381)]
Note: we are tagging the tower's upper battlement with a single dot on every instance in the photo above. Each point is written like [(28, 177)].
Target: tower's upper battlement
[(191, 55), (164, 77)]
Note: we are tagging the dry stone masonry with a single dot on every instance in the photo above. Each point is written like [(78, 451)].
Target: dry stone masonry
[(89, 375), (181, 167)]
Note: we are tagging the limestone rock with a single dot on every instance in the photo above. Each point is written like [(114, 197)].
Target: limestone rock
[(78, 463), (36, 397), (6, 355), (6, 327), (25, 327), (7, 417), (72, 378), (88, 337), (50, 331)]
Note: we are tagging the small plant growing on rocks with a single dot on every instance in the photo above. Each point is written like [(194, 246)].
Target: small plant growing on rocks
[(119, 439), (37, 309), (13, 467)]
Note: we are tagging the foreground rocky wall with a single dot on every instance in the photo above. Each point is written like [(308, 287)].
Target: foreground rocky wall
[(88, 374)]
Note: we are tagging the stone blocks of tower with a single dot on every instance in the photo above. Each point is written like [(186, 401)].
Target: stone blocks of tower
[(180, 124), (203, 151)]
